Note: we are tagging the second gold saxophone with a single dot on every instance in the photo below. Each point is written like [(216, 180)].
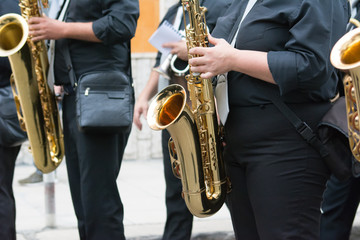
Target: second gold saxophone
[(37, 109), (195, 148), (345, 56)]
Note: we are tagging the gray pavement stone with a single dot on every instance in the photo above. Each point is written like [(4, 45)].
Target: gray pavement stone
[(355, 232)]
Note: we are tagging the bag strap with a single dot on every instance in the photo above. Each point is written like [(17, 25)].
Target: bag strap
[(130, 67), (72, 75), (67, 57), (301, 127)]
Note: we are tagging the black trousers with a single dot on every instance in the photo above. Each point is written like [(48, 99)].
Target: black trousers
[(93, 164), (277, 178), (8, 157), (341, 200), (178, 220)]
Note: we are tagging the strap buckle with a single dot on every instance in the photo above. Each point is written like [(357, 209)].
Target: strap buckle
[(306, 132)]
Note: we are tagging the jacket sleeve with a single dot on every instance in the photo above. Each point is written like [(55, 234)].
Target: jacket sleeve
[(306, 58), (119, 21)]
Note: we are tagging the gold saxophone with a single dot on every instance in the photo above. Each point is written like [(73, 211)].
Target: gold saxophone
[(195, 140), (35, 101), (345, 56)]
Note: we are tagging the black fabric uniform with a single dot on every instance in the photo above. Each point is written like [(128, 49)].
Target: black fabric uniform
[(341, 198), (94, 159), (179, 220), (8, 155), (277, 178)]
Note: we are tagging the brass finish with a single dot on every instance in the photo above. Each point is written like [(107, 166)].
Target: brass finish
[(194, 146), (34, 97), (170, 64), (345, 56)]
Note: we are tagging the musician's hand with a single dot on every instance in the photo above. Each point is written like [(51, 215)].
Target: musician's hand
[(212, 61), (141, 108), (42, 28), (178, 48)]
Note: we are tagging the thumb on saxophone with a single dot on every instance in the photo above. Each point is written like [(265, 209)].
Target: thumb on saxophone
[(213, 41)]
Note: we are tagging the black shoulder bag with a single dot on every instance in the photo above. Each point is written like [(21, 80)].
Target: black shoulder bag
[(330, 139), (10, 132), (104, 99)]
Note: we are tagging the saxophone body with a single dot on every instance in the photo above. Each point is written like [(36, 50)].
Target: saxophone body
[(34, 98), (195, 148), (345, 56)]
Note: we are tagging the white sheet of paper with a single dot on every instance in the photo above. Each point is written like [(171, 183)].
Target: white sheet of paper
[(164, 34)]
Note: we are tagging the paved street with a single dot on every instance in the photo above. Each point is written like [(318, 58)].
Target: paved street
[(142, 190)]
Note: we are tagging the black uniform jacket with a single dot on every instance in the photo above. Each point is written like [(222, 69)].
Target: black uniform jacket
[(298, 36), (114, 22)]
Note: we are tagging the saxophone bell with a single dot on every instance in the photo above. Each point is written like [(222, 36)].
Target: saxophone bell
[(13, 34), (204, 184), (179, 67)]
